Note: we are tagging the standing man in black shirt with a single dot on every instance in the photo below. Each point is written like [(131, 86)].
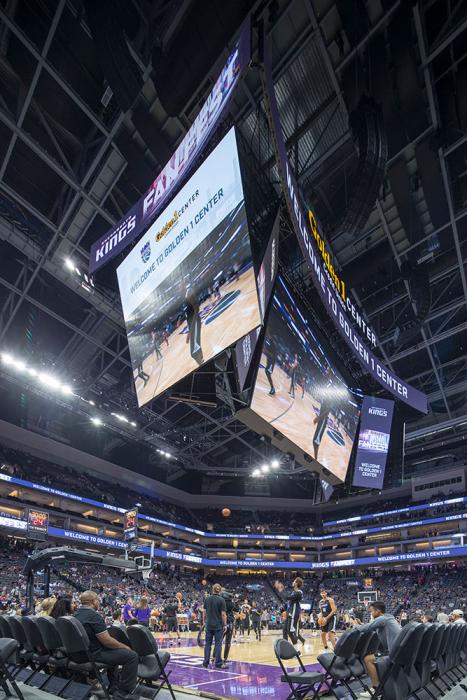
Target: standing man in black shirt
[(215, 621), (255, 615), (291, 627), (108, 650), (171, 621)]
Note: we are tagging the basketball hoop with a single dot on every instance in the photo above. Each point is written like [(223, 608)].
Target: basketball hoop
[(145, 573)]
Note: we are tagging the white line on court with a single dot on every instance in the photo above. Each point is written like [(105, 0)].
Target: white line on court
[(218, 680)]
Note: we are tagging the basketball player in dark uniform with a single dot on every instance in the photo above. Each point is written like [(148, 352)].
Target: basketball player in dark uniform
[(255, 615), (327, 619), (293, 373), (138, 354), (270, 352), (326, 404), (156, 344), (291, 626), (193, 320)]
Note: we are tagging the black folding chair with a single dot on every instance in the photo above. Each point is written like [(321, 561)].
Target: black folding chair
[(395, 669), (367, 643), (25, 650), (8, 657), (336, 663), (40, 655), (119, 634), (5, 629), (301, 683), (58, 660), (152, 662), (76, 644)]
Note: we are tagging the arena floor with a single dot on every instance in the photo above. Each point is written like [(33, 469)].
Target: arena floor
[(253, 669)]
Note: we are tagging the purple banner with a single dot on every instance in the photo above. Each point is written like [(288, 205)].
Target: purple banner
[(332, 302), (143, 213), (246, 346), (373, 442)]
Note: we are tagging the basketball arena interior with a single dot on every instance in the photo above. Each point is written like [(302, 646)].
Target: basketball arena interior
[(233, 349)]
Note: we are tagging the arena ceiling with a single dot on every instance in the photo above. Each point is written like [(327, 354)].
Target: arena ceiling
[(74, 156)]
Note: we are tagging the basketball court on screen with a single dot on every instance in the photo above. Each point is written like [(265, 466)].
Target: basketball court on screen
[(223, 321), (296, 418)]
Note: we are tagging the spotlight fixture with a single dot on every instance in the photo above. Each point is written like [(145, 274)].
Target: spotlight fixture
[(265, 468), (275, 464), (256, 472), (54, 384), (69, 264)]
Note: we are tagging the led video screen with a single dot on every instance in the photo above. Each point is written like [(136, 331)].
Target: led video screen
[(299, 391), (373, 442), (188, 288)]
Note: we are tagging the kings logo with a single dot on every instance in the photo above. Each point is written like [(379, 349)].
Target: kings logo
[(146, 252)]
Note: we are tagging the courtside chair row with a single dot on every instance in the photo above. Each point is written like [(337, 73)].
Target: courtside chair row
[(425, 663), (53, 655)]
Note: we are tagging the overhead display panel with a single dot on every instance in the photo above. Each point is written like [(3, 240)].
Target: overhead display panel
[(188, 288), (143, 213), (348, 320), (373, 442), (300, 392), (245, 348)]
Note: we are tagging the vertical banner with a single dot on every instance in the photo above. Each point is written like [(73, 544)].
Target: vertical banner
[(130, 524), (38, 524), (343, 313), (143, 213), (373, 442), (245, 347)]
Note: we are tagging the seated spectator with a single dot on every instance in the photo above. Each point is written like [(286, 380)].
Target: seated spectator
[(47, 606), (108, 650), (442, 617), (129, 610), (143, 612), (388, 629), (62, 608), (457, 617), (118, 620)]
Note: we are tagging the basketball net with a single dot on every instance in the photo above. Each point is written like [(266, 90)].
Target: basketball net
[(145, 573)]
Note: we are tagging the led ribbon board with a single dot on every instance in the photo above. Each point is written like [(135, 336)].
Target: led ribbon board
[(143, 213), (21, 524), (326, 289)]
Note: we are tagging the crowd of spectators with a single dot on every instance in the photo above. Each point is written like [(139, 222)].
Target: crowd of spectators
[(25, 466), (428, 590)]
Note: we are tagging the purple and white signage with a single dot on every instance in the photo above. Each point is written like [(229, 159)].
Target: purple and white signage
[(143, 213), (373, 442), (340, 315)]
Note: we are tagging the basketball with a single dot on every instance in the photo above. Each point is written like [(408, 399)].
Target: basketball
[(321, 621), (226, 512), (179, 596)]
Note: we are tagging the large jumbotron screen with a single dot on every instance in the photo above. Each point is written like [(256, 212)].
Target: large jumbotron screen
[(299, 391), (188, 288)]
